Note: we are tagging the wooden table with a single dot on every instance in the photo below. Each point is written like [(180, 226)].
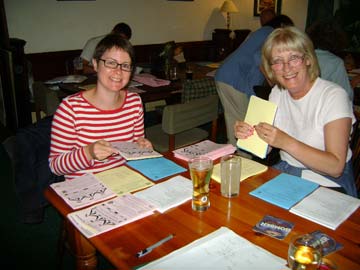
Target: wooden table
[(171, 93), (239, 214)]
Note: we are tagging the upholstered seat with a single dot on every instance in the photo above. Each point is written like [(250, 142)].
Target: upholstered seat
[(180, 124)]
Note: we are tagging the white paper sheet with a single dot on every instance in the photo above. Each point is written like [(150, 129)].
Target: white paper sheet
[(221, 249), (168, 194)]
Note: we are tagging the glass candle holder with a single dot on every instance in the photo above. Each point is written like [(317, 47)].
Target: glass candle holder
[(305, 253)]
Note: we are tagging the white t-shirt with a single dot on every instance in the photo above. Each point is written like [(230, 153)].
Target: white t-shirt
[(89, 48), (305, 118)]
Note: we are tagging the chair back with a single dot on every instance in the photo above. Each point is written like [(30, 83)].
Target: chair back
[(194, 89), (182, 124), (199, 88), (180, 117)]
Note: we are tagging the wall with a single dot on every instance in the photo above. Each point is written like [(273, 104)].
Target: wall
[(50, 25)]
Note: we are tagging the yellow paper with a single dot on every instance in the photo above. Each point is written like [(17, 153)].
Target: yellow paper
[(259, 110), (123, 180), (248, 168)]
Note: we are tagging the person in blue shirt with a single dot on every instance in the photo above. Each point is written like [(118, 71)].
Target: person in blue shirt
[(240, 72)]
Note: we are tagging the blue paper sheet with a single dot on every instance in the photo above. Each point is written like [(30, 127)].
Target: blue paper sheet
[(156, 168), (285, 190)]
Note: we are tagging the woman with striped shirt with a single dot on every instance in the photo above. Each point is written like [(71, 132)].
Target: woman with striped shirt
[(86, 123)]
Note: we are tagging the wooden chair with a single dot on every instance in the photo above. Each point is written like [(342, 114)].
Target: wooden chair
[(180, 124), (355, 146)]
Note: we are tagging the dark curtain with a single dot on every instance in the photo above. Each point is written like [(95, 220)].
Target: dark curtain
[(319, 10), (348, 17)]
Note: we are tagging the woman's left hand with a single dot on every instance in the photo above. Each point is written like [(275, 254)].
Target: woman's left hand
[(144, 143), (271, 135)]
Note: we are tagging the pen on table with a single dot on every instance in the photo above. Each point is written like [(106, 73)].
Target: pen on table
[(150, 248)]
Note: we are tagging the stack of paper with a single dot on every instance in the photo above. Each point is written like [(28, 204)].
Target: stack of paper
[(132, 151), (168, 194), (123, 180), (285, 190), (221, 249), (326, 207), (67, 79), (259, 110), (83, 191), (111, 214), (248, 168), (204, 148), (156, 168)]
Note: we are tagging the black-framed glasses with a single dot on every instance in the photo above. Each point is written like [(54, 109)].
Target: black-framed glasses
[(294, 61), (109, 63)]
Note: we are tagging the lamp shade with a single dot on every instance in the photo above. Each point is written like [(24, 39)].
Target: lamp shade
[(229, 6)]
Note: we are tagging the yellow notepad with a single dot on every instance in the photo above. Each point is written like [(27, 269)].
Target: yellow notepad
[(123, 180), (259, 110), (248, 168)]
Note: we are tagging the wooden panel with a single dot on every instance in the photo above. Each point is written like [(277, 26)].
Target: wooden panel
[(52, 64)]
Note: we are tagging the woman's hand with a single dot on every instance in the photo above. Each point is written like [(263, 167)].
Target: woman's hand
[(243, 130), (144, 143), (99, 150), (272, 135)]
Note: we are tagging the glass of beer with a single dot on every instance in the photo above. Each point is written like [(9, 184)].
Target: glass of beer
[(200, 171), (305, 253)]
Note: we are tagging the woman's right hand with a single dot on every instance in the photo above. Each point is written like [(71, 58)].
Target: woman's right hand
[(243, 130), (100, 150)]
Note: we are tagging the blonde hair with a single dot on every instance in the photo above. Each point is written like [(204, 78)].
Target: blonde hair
[(284, 39)]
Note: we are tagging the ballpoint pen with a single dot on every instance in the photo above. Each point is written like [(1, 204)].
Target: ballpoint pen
[(150, 248)]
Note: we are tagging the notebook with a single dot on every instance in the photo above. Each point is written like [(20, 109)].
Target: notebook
[(285, 190), (85, 190), (204, 148), (132, 151), (156, 168), (248, 168), (259, 110), (326, 207)]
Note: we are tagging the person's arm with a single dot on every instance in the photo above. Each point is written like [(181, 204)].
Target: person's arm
[(330, 162), (65, 155)]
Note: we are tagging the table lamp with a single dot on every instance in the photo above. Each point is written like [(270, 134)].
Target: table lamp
[(229, 7)]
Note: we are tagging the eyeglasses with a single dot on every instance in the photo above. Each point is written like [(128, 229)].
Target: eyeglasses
[(113, 65), (294, 61)]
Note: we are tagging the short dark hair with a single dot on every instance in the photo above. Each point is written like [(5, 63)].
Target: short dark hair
[(327, 35), (113, 40), (280, 21), (122, 29), (266, 15)]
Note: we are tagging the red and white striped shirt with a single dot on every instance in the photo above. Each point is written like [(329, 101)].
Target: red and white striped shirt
[(77, 123)]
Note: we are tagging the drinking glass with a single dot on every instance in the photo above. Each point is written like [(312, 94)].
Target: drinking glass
[(230, 175), (305, 253), (200, 171)]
